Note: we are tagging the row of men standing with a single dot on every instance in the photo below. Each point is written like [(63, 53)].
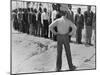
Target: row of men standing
[(85, 21), (28, 21), (32, 22), (37, 22)]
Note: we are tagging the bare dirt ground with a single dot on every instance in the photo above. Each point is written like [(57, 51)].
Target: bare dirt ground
[(36, 54)]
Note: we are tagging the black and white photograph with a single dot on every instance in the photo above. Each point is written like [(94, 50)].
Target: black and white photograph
[(52, 37)]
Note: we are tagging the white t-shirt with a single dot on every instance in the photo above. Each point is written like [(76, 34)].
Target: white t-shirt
[(44, 16)]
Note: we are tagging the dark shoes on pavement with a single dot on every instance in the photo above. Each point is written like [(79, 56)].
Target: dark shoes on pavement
[(58, 70), (88, 44), (79, 42), (73, 68)]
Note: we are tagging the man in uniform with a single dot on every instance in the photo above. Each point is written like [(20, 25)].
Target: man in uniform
[(79, 22), (45, 22), (39, 22), (88, 15)]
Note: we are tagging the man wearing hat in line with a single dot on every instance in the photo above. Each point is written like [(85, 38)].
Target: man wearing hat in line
[(63, 24)]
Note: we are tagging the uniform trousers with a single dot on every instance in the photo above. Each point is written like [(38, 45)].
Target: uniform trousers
[(88, 34), (63, 40)]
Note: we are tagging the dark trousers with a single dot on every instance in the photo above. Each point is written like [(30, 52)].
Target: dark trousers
[(88, 34), (45, 28), (78, 35), (35, 27), (70, 29), (63, 39), (39, 28), (15, 24), (20, 26), (51, 35), (31, 29), (55, 36), (27, 28)]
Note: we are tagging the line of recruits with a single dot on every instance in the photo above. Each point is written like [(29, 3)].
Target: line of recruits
[(33, 21), (36, 22)]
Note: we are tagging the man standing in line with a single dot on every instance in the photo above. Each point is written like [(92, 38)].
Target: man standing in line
[(34, 22), (30, 21), (25, 19), (45, 22), (39, 21), (63, 24), (20, 19), (88, 15), (15, 20), (53, 17), (79, 22), (28, 15), (58, 15), (70, 16)]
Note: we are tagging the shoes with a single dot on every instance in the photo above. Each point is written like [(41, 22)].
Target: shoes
[(73, 68), (90, 44), (79, 42), (58, 70)]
